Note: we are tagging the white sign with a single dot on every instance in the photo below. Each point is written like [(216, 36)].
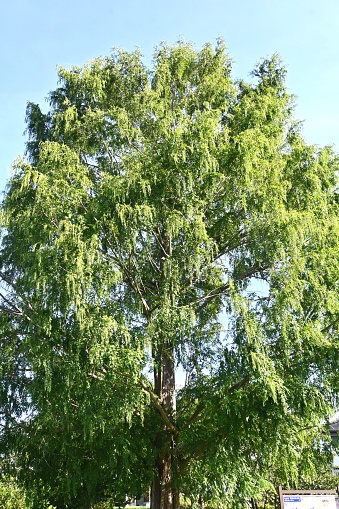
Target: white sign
[(310, 502)]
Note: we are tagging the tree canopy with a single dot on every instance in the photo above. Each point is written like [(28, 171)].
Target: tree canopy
[(168, 220)]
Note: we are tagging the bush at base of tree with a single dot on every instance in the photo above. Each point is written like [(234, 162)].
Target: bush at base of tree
[(11, 496)]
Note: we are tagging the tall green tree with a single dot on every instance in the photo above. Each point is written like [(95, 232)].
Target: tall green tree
[(168, 218)]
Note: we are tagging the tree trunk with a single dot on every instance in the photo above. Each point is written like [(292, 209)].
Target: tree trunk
[(164, 494), (201, 502)]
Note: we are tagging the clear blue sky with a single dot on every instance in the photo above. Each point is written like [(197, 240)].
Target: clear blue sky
[(38, 35)]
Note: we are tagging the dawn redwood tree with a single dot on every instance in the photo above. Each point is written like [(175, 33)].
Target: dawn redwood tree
[(168, 220)]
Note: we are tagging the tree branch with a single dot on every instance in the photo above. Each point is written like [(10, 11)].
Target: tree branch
[(154, 398), (160, 408), (221, 289)]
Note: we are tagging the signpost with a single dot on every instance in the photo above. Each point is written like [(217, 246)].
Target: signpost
[(309, 499)]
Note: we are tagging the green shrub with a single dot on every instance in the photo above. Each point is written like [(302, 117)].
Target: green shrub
[(11, 496)]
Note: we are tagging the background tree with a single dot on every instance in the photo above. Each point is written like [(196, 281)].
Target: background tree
[(167, 218)]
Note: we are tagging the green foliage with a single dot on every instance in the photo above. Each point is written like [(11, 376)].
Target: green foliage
[(168, 218), (12, 493), (11, 496)]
